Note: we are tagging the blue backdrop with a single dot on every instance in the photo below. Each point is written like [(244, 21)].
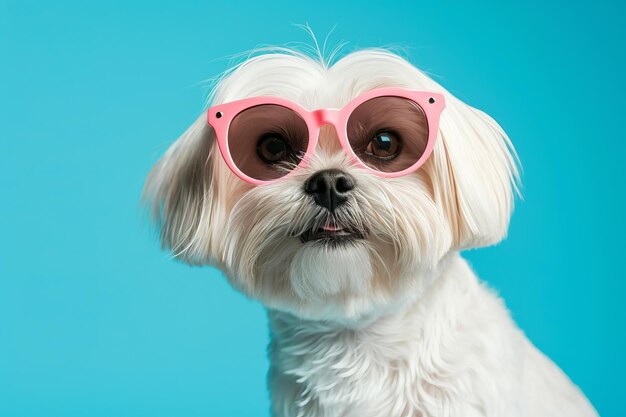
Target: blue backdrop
[(95, 320)]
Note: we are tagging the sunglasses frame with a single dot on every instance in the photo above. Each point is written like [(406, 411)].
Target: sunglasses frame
[(432, 104)]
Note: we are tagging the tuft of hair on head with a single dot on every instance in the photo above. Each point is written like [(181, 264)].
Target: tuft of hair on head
[(313, 52)]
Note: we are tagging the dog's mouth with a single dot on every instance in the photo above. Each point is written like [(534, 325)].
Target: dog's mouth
[(332, 233)]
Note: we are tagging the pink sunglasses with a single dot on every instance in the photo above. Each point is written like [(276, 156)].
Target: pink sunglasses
[(389, 131)]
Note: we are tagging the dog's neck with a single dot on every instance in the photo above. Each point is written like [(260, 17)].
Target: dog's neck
[(318, 364)]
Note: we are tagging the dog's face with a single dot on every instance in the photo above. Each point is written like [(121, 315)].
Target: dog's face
[(365, 243)]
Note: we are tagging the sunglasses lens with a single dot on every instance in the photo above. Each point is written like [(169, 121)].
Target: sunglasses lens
[(268, 141), (388, 134)]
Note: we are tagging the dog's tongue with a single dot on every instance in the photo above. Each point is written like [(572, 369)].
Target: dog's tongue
[(331, 227)]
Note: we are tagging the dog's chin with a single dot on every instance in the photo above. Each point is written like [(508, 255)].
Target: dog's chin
[(339, 279), (331, 267), (333, 275)]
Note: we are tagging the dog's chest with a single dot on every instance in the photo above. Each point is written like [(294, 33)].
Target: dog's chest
[(388, 370), (456, 355), (340, 372)]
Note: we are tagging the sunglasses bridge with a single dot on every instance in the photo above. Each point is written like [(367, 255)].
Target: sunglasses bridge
[(326, 117)]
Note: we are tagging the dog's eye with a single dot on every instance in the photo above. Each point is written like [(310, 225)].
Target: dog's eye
[(385, 145), (273, 148)]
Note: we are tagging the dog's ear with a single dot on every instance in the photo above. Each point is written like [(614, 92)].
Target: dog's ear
[(180, 193), (475, 175)]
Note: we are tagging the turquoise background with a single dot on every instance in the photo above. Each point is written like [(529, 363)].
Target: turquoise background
[(96, 321)]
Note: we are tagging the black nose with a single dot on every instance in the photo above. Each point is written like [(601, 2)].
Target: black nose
[(329, 188)]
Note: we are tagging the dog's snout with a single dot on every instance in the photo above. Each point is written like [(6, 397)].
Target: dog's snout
[(329, 188)]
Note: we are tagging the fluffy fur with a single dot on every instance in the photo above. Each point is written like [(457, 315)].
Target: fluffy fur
[(392, 325)]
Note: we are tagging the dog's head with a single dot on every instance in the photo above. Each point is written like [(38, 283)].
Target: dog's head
[(379, 242)]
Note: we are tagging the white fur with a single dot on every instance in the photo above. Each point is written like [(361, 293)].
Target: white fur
[(392, 325), (455, 353)]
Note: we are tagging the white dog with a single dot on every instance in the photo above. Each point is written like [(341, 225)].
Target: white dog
[(353, 246)]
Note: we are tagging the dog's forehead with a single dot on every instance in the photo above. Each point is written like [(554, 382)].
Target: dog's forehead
[(312, 84)]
